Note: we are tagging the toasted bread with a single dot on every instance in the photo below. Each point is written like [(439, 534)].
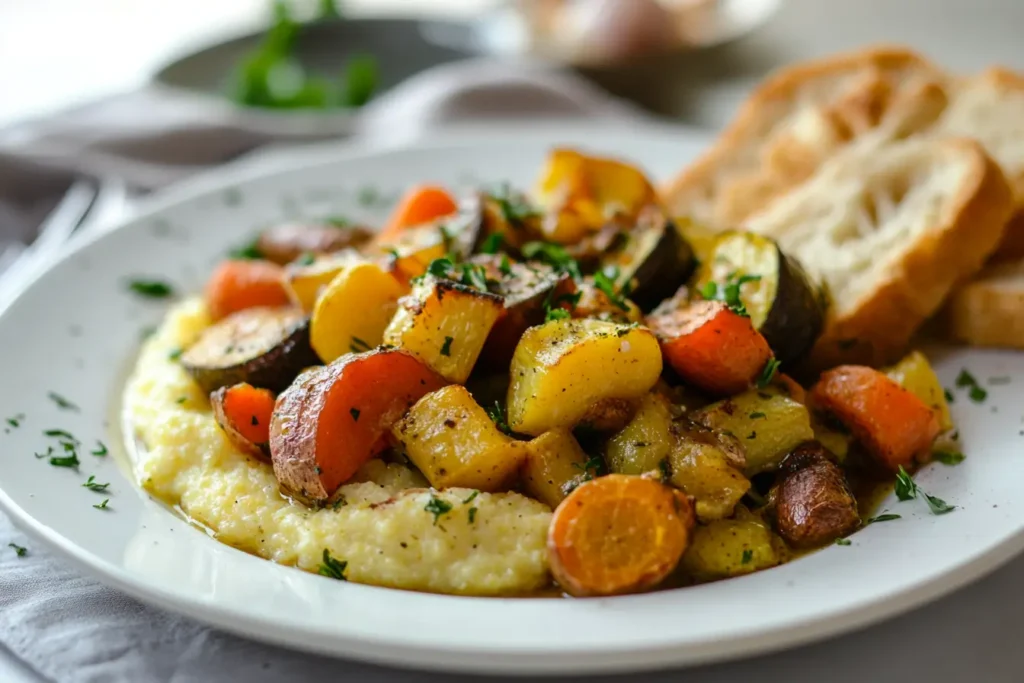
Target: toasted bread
[(988, 311), (889, 229), (800, 118)]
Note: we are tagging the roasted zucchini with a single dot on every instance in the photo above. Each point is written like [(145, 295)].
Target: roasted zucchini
[(266, 347), (645, 442), (708, 466), (773, 288), (653, 262), (555, 464), (563, 368), (454, 442), (766, 422), (287, 242)]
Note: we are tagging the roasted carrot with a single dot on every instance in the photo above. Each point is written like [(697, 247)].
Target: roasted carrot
[(419, 205), (711, 347), (618, 534), (331, 420), (893, 424), (237, 285), (244, 412)]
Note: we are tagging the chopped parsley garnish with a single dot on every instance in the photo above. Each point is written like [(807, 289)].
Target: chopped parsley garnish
[(593, 467), (556, 314), (254, 421), (437, 507), (60, 434), (554, 255), (493, 243), (181, 399), (66, 460), (94, 485), (474, 275), (18, 550), (729, 292), (885, 517), (515, 209), (47, 454), (62, 402), (472, 515), (497, 415), (247, 252), (471, 497), (748, 555), (103, 505), (340, 502), (392, 253), (949, 395), (768, 374), (948, 457), (604, 280), (907, 489), (357, 345), (306, 259), (101, 450), (332, 568), (977, 394), (554, 310), (354, 412), (446, 348), (153, 289), (505, 266), (757, 415), (937, 505), (16, 420), (843, 541), (752, 435), (175, 353), (440, 267)]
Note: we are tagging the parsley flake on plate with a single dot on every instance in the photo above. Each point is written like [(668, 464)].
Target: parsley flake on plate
[(332, 568), (437, 507)]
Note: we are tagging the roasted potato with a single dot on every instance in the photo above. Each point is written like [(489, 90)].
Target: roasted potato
[(645, 442), (708, 466), (353, 311), (730, 547), (555, 465)]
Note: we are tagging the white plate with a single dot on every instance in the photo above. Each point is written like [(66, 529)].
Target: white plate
[(76, 329)]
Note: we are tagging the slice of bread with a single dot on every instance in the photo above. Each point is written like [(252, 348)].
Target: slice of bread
[(990, 310), (890, 229), (801, 117)]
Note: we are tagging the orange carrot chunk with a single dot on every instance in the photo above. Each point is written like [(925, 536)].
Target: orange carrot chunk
[(618, 534), (419, 205), (893, 424), (712, 347), (237, 285), (243, 412), (334, 419)]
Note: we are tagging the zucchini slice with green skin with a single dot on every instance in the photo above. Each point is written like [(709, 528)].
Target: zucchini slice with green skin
[(655, 260), (266, 347), (774, 290)]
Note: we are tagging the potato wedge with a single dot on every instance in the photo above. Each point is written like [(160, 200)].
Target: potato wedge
[(562, 368), (555, 465), (444, 324), (454, 442), (351, 314)]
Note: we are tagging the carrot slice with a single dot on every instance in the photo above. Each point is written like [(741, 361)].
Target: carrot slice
[(237, 285), (892, 423), (419, 205), (333, 419), (618, 534), (711, 347), (243, 412)]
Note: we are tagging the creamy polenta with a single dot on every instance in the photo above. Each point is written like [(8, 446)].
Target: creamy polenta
[(384, 526)]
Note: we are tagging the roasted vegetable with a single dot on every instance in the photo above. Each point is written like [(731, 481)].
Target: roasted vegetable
[(730, 547), (893, 424), (555, 465), (332, 419), (645, 442), (707, 466), (305, 281), (811, 502), (914, 373), (454, 443), (509, 217), (421, 204), (767, 423), (563, 368), (712, 347), (285, 243), (410, 252), (654, 261), (445, 324), (352, 313), (581, 192), (700, 237), (266, 347), (750, 271), (527, 291), (237, 285), (243, 412), (836, 441), (618, 534), (594, 302)]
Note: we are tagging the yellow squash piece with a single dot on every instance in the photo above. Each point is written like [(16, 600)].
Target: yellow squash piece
[(555, 464), (563, 368), (645, 442), (351, 314), (444, 324), (454, 442), (305, 281), (914, 373)]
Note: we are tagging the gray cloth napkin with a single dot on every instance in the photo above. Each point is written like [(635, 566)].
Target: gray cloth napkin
[(72, 629)]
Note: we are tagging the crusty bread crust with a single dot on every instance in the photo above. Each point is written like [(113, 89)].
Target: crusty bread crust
[(859, 88), (880, 329), (987, 312)]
